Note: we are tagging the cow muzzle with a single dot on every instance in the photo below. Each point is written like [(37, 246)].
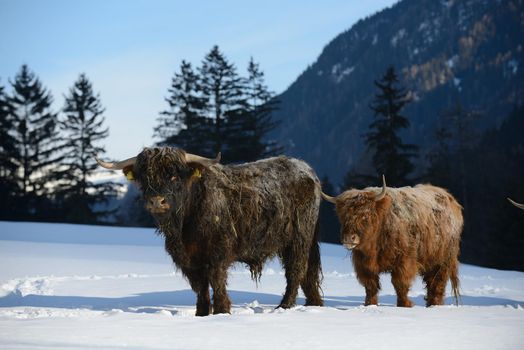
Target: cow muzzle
[(351, 242), (157, 205)]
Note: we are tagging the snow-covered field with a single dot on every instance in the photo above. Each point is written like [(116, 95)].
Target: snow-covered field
[(85, 287)]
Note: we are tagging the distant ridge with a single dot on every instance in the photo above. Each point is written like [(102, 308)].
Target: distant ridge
[(467, 51)]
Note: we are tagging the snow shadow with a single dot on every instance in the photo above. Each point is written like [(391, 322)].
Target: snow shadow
[(144, 302), (155, 301), (391, 300)]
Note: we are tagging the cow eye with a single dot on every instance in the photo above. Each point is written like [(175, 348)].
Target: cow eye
[(173, 178)]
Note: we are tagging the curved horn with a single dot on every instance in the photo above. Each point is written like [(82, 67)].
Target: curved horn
[(193, 158), (518, 205), (116, 165), (382, 193), (329, 198)]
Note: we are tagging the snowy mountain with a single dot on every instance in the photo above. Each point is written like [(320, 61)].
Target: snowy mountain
[(447, 51), (85, 287)]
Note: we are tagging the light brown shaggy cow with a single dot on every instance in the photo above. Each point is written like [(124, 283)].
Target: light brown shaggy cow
[(403, 231)]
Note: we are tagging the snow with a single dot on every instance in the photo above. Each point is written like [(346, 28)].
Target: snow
[(338, 74), (85, 287), (397, 37), (456, 82), (513, 65), (452, 61), (447, 3), (375, 39)]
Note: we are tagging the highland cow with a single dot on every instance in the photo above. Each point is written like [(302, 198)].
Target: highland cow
[(403, 231), (213, 215)]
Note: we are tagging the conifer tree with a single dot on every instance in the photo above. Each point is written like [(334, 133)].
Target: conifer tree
[(84, 129), (439, 170), (391, 157), (222, 88), (38, 139), (455, 140), (216, 110), (184, 125), (9, 190), (329, 224), (254, 120)]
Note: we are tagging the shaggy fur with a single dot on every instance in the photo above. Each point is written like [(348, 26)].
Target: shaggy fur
[(222, 214), (411, 230)]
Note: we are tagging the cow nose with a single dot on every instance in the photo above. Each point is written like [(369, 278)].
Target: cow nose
[(159, 202)]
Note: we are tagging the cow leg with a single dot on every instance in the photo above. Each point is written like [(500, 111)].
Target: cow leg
[(221, 301), (200, 285), (436, 280), (311, 282), (402, 277), (371, 283), (295, 265)]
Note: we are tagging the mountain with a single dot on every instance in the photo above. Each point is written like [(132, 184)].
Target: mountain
[(446, 52)]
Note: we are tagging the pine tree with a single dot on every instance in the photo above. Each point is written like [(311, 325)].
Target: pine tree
[(439, 170), (38, 139), (260, 106), (354, 179), (222, 88), (456, 138), (216, 110), (329, 224), (84, 129), (248, 125), (184, 124), (391, 156), (9, 189)]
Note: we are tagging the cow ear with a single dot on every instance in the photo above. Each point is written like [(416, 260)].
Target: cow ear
[(128, 172), (197, 170)]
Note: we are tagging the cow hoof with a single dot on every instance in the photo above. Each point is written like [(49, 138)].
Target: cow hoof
[(203, 312), (221, 312), (405, 303), (314, 303)]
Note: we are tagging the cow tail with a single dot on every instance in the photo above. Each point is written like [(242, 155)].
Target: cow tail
[(313, 278), (314, 254), (455, 283)]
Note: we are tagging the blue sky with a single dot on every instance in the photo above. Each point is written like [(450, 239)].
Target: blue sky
[(130, 49)]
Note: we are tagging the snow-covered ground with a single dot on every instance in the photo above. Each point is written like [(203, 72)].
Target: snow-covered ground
[(85, 287)]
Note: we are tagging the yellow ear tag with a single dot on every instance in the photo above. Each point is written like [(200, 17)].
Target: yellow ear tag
[(197, 173), (129, 176)]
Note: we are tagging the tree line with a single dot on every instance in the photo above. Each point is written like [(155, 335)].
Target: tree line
[(47, 157)]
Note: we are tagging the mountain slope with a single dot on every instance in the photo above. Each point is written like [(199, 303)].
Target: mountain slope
[(444, 51)]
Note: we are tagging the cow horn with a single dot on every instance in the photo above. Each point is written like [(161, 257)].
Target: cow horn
[(116, 165), (382, 193), (193, 158), (328, 198), (518, 205)]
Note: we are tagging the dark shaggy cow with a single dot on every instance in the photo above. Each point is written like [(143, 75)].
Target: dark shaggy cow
[(404, 231), (213, 215)]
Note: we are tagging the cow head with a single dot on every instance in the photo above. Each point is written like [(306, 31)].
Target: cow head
[(164, 175), (360, 213)]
